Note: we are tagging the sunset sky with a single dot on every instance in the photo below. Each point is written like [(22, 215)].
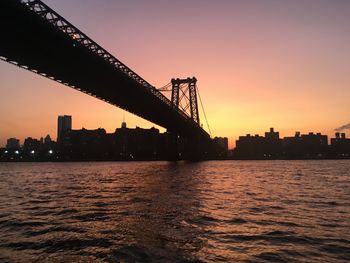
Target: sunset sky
[(259, 64)]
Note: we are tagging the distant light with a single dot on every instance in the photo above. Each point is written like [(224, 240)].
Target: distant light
[(32, 152), (51, 152), (16, 152), (6, 151)]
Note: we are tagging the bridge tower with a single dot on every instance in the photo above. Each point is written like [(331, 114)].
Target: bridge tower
[(184, 97)]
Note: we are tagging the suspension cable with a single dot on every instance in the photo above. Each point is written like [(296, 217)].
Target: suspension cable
[(205, 115), (165, 87)]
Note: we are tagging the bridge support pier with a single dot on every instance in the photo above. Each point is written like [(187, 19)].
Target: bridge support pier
[(191, 149), (197, 149), (172, 146)]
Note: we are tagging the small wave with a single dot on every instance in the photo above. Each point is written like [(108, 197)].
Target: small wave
[(332, 203), (124, 213), (250, 193), (273, 237), (67, 211), (261, 199), (278, 233), (276, 207), (53, 245), (272, 257), (292, 253), (331, 225), (42, 213), (274, 223), (91, 216), (39, 201), (139, 200), (257, 209), (203, 220), (131, 254), (341, 252), (237, 220), (55, 229), (324, 204), (101, 204), (34, 208), (13, 224), (289, 224), (4, 215)]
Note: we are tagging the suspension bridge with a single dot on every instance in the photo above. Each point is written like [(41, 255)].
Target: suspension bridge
[(36, 38)]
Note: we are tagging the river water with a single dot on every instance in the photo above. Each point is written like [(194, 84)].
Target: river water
[(216, 211)]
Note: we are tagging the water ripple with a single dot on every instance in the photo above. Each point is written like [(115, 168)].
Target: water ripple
[(225, 211)]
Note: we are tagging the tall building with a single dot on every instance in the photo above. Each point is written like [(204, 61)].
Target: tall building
[(64, 124), (12, 143)]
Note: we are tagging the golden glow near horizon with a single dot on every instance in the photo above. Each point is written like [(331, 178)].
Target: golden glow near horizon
[(259, 64)]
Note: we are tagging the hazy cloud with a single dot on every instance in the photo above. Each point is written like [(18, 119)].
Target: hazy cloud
[(344, 127)]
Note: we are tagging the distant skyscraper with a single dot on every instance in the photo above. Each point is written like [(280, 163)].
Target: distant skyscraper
[(64, 124)]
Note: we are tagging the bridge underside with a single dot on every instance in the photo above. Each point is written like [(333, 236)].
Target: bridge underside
[(31, 42)]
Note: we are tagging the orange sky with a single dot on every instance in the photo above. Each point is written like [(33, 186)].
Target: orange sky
[(259, 64)]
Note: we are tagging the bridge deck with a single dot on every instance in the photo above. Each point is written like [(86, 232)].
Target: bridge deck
[(30, 41)]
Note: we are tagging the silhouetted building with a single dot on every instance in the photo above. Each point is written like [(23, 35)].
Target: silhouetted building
[(12, 144), (314, 143), (83, 144), (273, 146), (272, 135), (139, 143), (250, 147), (340, 145), (258, 147), (47, 139), (64, 124), (123, 144), (305, 146), (292, 146), (32, 146), (220, 147)]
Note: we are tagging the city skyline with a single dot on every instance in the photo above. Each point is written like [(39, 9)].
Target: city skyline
[(130, 144), (270, 64), (65, 122)]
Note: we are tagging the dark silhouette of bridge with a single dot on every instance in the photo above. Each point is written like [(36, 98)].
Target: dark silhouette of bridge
[(36, 38)]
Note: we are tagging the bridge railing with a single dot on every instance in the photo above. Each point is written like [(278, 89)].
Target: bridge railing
[(63, 25)]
